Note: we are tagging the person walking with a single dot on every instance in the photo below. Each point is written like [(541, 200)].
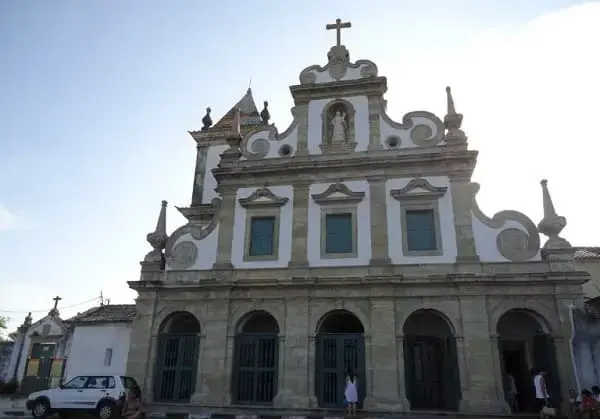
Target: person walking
[(542, 396)]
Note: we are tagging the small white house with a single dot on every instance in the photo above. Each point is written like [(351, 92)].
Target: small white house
[(99, 341)]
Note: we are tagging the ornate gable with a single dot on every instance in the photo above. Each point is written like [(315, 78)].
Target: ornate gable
[(263, 198), (338, 193), (419, 189)]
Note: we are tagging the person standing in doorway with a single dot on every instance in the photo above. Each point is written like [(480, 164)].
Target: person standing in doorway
[(351, 393), (541, 391)]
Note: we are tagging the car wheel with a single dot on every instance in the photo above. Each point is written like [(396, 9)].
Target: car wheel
[(106, 410), (40, 409)]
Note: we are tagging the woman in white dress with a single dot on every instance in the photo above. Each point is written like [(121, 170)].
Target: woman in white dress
[(351, 393)]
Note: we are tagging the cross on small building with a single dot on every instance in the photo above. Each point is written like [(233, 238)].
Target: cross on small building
[(56, 300), (338, 26)]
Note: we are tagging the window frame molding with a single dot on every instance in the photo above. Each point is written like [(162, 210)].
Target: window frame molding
[(338, 199), (420, 195), (262, 203)]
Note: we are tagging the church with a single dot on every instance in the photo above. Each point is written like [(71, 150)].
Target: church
[(350, 242)]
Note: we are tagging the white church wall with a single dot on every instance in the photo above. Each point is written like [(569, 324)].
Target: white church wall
[(210, 183), (486, 240), (446, 214), (263, 143), (285, 230), (207, 250), (361, 122), (89, 349), (46, 326), (419, 123), (363, 220)]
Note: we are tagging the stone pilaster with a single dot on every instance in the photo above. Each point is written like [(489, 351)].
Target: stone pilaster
[(384, 394), (374, 123), (562, 344), (199, 173), (294, 391), (380, 254), (300, 226), (301, 115), (481, 394), (214, 363), (463, 222), (401, 378), (226, 224)]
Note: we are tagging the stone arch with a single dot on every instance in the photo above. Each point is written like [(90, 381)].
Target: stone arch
[(329, 111), (539, 310), (525, 344), (340, 350), (243, 312), (428, 322), (339, 321), (320, 313), (177, 357), (255, 370), (431, 361), (257, 321)]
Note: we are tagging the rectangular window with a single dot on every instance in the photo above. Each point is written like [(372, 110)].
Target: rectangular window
[(420, 230), (262, 236), (339, 232), (108, 357)]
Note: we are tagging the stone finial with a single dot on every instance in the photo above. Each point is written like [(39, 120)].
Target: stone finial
[(552, 224), (26, 323), (158, 238), (54, 311), (207, 120), (264, 114), (453, 122), (235, 124)]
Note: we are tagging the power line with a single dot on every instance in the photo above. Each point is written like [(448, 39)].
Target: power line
[(45, 311)]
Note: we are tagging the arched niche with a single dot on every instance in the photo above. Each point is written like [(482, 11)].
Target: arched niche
[(255, 370), (180, 323), (525, 345), (330, 111), (431, 361)]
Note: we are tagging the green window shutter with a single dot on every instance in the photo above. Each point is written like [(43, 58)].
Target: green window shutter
[(420, 230), (262, 236), (339, 233)]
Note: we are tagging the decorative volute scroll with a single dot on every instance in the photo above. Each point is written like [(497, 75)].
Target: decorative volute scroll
[(263, 198), (338, 193), (514, 244), (425, 128), (419, 189)]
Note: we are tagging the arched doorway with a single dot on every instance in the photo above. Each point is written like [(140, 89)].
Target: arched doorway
[(177, 358), (525, 344), (340, 348), (430, 362), (256, 359)]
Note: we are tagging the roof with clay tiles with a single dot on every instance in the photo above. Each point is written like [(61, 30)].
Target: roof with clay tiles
[(109, 313), (584, 253)]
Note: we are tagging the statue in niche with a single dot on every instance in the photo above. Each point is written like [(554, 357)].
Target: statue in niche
[(338, 128)]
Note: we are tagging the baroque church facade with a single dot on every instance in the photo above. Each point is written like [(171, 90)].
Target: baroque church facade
[(349, 242)]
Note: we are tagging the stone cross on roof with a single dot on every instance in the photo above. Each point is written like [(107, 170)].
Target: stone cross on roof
[(338, 26)]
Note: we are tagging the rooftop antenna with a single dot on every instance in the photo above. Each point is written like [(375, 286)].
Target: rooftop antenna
[(250, 83), (101, 299)]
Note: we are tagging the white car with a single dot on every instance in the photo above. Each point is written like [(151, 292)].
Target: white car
[(98, 394)]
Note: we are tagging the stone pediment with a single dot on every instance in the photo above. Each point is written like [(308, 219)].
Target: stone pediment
[(338, 68), (338, 193), (418, 189), (263, 198)]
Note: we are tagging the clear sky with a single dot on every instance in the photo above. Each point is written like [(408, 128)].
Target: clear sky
[(96, 99)]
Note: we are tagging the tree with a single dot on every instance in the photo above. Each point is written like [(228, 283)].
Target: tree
[(3, 322)]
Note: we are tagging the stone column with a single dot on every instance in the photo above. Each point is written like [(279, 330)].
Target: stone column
[(384, 392), (199, 173), (294, 354), (226, 224), (562, 344), (301, 116), (300, 226), (379, 230), (481, 395), (312, 347), (463, 222)]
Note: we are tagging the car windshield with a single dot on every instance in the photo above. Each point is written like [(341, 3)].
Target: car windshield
[(129, 382)]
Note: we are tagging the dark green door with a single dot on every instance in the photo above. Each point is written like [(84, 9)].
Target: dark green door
[(177, 362), (336, 355)]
